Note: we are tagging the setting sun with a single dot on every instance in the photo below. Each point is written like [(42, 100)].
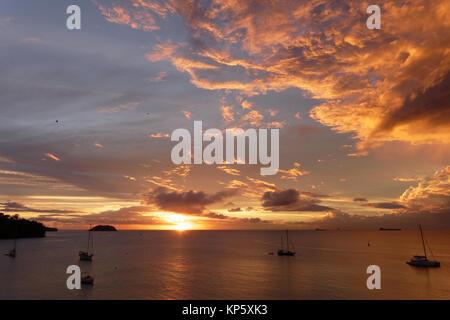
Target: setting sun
[(182, 227), (178, 222)]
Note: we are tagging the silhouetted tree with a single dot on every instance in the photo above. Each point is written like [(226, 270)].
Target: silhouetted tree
[(16, 227)]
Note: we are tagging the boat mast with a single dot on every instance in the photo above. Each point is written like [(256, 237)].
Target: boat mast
[(287, 239), (89, 238), (423, 242), (17, 234)]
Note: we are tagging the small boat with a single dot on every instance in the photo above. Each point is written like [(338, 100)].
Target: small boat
[(87, 280), (422, 261), (282, 251), (12, 252), (85, 255)]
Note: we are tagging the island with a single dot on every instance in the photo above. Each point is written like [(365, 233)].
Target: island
[(103, 228), (50, 229), (12, 227)]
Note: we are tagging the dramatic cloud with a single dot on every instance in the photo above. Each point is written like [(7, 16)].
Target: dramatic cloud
[(428, 204), (386, 85), (138, 14), (430, 195), (190, 202), (290, 200)]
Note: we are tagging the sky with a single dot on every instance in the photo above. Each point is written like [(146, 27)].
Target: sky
[(364, 116)]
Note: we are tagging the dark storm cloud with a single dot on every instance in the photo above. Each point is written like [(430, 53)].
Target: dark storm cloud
[(280, 198), (432, 106), (290, 200), (193, 202)]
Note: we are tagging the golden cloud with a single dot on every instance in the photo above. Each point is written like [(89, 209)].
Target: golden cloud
[(381, 85)]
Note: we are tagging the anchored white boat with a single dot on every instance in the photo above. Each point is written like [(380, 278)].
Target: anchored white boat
[(422, 261)]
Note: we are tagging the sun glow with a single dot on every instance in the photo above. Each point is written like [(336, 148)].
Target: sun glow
[(182, 226), (178, 221)]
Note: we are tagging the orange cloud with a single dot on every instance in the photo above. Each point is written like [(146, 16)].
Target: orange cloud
[(187, 114), (162, 182), (125, 106), (431, 194), (159, 135), (52, 156), (381, 86), (293, 173), (159, 78), (273, 113), (181, 171), (254, 118), (227, 169), (227, 113), (246, 104), (137, 14)]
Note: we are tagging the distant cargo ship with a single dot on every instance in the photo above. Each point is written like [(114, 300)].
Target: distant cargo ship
[(390, 229)]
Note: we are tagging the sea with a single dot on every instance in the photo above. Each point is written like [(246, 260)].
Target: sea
[(227, 265)]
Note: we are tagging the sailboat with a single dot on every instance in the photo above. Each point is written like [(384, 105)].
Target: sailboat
[(12, 252), (84, 255), (422, 261), (286, 252), (87, 279)]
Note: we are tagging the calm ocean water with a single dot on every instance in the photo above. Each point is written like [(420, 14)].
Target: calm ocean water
[(226, 265)]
